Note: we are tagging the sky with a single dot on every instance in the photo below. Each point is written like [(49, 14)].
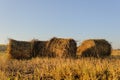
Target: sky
[(44, 19)]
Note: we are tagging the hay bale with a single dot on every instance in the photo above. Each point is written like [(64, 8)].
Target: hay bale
[(56, 47), (59, 47), (94, 48), (19, 49), (38, 48)]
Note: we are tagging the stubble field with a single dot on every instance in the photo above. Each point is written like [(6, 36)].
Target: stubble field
[(60, 68)]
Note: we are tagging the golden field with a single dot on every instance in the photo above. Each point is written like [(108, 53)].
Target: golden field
[(60, 69)]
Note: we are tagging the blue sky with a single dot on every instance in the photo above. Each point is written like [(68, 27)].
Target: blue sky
[(44, 19)]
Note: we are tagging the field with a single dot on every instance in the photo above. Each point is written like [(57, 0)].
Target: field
[(60, 68)]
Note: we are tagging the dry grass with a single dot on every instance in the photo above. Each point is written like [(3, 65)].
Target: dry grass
[(61, 69), (116, 52)]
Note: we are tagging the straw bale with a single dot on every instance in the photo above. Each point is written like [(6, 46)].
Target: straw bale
[(19, 49), (39, 48), (94, 48), (56, 47), (59, 47)]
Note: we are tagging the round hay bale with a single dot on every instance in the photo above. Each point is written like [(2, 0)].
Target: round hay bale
[(19, 49), (94, 48), (59, 47), (38, 48)]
